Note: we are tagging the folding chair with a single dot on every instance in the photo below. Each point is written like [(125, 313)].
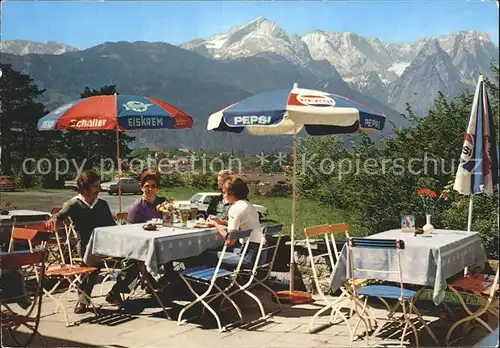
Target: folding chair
[(70, 243), (485, 290), (33, 238), (209, 276), (73, 272), (328, 232), (21, 308), (404, 296), (261, 270)]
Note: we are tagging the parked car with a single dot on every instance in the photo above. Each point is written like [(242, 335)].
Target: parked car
[(7, 183), (127, 185), (70, 184), (203, 199)]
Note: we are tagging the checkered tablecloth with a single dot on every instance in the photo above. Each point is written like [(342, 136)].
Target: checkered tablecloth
[(427, 259), (154, 248)]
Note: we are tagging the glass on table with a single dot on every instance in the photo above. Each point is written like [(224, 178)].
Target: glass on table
[(194, 212), (185, 214)]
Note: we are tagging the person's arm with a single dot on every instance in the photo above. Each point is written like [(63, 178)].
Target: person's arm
[(212, 207), (51, 224), (218, 221), (220, 229), (134, 214), (108, 219)]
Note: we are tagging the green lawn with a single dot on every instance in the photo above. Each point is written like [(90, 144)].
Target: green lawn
[(309, 213)]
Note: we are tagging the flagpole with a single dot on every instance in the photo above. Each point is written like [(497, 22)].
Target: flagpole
[(469, 222), (119, 165), (292, 231)]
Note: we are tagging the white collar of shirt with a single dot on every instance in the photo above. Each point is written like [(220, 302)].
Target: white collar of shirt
[(91, 206)]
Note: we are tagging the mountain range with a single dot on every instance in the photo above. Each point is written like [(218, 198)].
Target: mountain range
[(204, 75), (394, 74)]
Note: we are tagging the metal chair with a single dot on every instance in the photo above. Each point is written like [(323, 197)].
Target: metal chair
[(328, 232), (261, 270), (21, 308), (71, 271), (485, 290), (210, 276), (404, 296)]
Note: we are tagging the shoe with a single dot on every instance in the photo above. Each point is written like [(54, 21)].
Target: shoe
[(113, 299), (80, 308)]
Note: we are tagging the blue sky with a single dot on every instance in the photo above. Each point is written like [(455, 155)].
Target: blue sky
[(85, 24)]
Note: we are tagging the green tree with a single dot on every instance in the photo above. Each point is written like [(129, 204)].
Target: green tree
[(19, 111), (424, 154)]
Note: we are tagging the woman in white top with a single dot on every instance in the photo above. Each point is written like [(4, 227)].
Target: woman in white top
[(242, 216)]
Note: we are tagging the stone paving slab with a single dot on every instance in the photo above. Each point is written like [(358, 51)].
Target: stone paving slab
[(288, 328)]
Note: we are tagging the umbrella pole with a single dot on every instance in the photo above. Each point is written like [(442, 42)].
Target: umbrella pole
[(292, 296), (292, 227), (119, 168)]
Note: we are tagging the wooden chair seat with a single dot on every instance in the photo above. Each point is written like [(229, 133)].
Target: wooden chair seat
[(357, 282), (481, 283), (66, 271)]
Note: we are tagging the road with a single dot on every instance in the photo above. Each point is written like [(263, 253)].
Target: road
[(44, 200)]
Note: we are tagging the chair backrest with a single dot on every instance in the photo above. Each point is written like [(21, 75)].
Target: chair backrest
[(70, 240), (262, 261), (21, 264), (355, 244), (14, 260), (231, 237), (235, 235), (121, 217), (29, 235), (31, 222), (328, 232), (275, 232)]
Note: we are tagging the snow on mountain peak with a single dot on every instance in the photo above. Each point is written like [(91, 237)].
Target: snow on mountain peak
[(365, 63), (258, 36)]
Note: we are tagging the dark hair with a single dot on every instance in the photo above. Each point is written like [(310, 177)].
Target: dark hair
[(237, 187), (86, 179), (149, 175)]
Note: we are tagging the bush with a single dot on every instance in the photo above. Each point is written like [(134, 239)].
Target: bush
[(280, 190), (171, 180), (198, 179), (49, 181), (484, 220), (377, 198)]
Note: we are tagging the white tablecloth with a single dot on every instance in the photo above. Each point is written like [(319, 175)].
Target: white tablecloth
[(154, 248), (426, 260)]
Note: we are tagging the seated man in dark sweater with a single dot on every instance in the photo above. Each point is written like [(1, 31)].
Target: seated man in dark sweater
[(87, 212)]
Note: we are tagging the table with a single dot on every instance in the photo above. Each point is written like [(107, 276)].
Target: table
[(29, 216), (154, 248), (427, 260)]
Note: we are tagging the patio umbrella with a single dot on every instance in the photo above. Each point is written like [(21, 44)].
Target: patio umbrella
[(118, 113), (288, 111), (478, 172)]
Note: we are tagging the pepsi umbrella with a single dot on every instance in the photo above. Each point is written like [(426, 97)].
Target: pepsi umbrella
[(118, 113), (478, 172), (288, 111)]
